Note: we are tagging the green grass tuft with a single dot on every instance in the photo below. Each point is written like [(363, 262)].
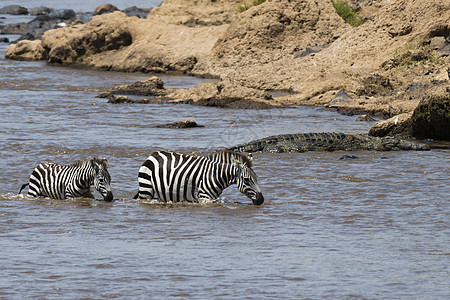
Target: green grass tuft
[(244, 7), (413, 53), (347, 13)]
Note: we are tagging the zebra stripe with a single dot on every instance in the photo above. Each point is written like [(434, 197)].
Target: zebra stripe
[(70, 181), (175, 177)]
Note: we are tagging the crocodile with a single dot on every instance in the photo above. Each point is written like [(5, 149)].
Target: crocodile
[(327, 141)]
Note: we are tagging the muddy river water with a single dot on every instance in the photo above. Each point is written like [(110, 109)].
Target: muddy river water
[(373, 227)]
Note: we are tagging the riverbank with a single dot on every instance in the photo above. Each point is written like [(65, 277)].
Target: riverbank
[(384, 67)]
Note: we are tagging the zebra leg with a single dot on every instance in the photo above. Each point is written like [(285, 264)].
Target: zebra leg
[(88, 195), (204, 197)]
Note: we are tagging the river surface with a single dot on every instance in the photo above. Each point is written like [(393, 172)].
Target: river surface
[(375, 227)]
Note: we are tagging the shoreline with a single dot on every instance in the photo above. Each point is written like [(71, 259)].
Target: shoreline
[(276, 46)]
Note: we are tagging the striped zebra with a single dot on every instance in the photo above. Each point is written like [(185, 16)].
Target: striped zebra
[(70, 181), (174, 177)]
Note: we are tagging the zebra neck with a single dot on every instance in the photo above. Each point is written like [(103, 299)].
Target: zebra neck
[(228, 174), (218, 176), (86, 176)]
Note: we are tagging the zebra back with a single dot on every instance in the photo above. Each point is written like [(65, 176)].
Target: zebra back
[(229, 157)]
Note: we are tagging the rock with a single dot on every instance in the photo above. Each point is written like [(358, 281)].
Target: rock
[(119, 99), (84, 18), (276, 29), (27, 36), (14, 10), (63, 14), (375, 84), (105, 8), (153, 86), (345, 157), (134, 11), (126, 100), (4, 40), (40, 10), (26, 50), (117, 42), (40, 22), (443, 74), (431, 118), (437, 42), (340, 98), (365, 118), (399, 126), (303, 142), (65, 47), (195, 13), (223, 94), (181, 124)]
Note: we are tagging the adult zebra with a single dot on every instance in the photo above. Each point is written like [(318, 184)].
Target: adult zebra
[(70, 181), (175, 177)]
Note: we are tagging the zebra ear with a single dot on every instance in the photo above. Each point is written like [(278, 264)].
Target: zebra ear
[(248, 162)]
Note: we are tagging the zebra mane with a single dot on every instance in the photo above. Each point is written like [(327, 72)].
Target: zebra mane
[(101, 161), (240, 157)]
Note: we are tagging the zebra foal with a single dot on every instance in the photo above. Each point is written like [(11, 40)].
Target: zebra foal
[(70, 181), (175, 177)]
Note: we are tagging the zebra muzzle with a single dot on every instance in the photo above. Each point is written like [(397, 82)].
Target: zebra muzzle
[(109, 196), (259, 199)]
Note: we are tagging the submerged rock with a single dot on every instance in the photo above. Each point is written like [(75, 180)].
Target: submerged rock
[(126, 100), (14, 10), (326, 142), (181, 124), (346, 157), (62, 14), (40, 10), (153, 86)]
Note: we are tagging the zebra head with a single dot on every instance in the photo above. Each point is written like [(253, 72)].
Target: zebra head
[(102, 179), (247, 182)]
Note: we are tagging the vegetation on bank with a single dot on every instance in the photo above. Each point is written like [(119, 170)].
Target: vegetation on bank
[(347, 13), (413, 53), (246, 6)]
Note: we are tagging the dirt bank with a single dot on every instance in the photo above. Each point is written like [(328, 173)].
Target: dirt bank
[(383, 67)]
